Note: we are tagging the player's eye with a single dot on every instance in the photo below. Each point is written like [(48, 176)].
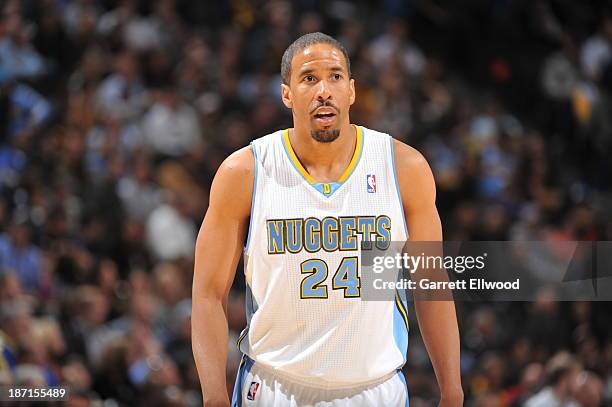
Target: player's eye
[(337, 76), (308, 78)]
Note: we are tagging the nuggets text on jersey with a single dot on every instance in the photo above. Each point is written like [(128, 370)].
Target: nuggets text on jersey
[(329, 234)]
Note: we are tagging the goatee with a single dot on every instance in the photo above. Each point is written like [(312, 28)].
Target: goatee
[(325, 136)]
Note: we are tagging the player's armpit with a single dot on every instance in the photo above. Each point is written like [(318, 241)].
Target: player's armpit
[(218, 248)]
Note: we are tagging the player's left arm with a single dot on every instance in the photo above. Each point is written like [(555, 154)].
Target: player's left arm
[(437, 319)]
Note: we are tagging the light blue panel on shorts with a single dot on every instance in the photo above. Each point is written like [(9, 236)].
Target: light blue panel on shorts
[(243, 370), (403, 379)]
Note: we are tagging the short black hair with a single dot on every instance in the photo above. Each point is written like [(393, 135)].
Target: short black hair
[(304, 42)]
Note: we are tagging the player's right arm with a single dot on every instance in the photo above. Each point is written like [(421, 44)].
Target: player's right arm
[(218, 249)]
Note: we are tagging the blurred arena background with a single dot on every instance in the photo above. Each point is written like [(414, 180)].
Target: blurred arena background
[(114, 116)]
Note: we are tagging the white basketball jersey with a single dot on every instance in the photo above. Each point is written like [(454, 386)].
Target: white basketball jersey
[(306, 319)]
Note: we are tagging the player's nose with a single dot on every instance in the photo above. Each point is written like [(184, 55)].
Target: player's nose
[(323, 91)]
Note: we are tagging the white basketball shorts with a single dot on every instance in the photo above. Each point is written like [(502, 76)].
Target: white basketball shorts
[(261, 387)]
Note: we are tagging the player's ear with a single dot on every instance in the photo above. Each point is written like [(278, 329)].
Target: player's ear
[(286, 96), (352, 91)]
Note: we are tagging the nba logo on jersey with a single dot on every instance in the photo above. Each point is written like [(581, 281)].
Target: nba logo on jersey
[(371, 181), (252, 391)]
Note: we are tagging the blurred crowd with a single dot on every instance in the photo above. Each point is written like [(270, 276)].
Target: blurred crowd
[(115, 114)]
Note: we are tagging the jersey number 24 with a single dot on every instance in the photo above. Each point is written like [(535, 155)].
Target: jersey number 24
[(345, 278)]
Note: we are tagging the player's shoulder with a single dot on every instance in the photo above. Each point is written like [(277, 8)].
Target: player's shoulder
[(414, 176), (231, 189), (239, 164), (408, 159)]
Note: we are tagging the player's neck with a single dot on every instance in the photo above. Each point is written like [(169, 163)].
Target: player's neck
[(325, 162)]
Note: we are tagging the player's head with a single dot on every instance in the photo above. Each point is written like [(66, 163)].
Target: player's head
[(317, 85)]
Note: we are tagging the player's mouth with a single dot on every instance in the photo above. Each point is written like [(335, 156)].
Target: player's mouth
[(325, 117)]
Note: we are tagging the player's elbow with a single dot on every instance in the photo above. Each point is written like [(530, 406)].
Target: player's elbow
[(206, 304)]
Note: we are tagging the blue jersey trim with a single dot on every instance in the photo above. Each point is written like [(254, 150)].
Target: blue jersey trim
[(251, 307), (333, 187), (397, 189), (400, 327), (253, 194)]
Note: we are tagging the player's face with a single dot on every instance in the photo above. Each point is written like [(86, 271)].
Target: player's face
[(320, 91)]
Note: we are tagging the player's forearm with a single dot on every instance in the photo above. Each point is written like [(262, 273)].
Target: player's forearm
[(438, 325), (209, 341)]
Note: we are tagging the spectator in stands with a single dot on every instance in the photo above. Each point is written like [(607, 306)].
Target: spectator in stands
[(171, 126), (18, 253), (561, 373)]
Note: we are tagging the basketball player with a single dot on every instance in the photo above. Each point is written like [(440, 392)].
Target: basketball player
[(303, 198)]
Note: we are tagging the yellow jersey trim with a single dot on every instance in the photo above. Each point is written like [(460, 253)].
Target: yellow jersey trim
[(348, 170)]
